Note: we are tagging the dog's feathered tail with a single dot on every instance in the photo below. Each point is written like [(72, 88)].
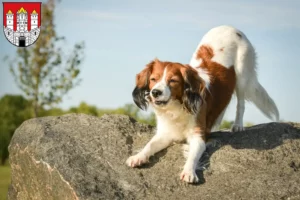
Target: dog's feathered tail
[(259, 96)]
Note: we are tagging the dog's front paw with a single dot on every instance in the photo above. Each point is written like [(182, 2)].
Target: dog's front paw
[(189, 176), (237, 128), (136, 160)]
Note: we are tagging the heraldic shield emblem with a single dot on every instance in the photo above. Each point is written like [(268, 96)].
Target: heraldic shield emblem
[(22, 22)]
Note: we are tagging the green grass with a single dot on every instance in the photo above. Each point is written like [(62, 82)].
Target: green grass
[(4, 181)]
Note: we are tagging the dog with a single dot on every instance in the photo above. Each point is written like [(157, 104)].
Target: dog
[(189, 100)]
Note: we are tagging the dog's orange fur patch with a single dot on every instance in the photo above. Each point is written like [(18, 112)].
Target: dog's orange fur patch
[(222, 84)]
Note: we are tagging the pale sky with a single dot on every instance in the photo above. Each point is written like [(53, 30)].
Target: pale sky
[(121, 37)]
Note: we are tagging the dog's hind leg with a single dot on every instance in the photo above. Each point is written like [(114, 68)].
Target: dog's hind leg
[(245, 70), (240, 109)]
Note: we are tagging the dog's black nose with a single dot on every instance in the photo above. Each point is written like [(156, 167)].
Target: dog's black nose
[(156, 93)]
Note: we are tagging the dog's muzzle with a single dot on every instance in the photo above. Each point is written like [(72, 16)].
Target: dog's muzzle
[(158, 97)]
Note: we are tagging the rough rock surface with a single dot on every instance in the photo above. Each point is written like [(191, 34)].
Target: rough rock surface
[(78, 156)]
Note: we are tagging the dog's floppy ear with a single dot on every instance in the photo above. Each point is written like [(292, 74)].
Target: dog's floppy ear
[(141, 91), (194, 88)]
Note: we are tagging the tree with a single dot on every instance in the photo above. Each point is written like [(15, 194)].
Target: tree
[(14, 110), (41, 70)]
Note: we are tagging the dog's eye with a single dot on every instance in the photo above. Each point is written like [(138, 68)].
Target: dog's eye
[(173, 81), (153, 79)]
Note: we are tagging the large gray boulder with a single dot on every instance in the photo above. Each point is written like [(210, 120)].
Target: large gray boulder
[(77, 156)]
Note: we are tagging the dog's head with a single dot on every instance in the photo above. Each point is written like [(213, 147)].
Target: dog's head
[(162, 82)]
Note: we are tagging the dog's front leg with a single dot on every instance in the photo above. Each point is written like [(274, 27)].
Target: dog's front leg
[(156, 144), (196, 141), (196, 148)]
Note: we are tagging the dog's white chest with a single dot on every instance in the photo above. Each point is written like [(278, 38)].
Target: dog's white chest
[(177, 124)]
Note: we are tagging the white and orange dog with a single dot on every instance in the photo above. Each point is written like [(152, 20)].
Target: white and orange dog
[(190, 100)]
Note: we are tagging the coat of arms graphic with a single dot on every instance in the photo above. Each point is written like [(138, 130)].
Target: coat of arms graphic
[(22, 22)]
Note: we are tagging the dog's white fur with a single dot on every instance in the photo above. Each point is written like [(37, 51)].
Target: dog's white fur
[(175, 124), (162, 86)]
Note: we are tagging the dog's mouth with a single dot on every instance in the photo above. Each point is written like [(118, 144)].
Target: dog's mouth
[(159, 103)]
